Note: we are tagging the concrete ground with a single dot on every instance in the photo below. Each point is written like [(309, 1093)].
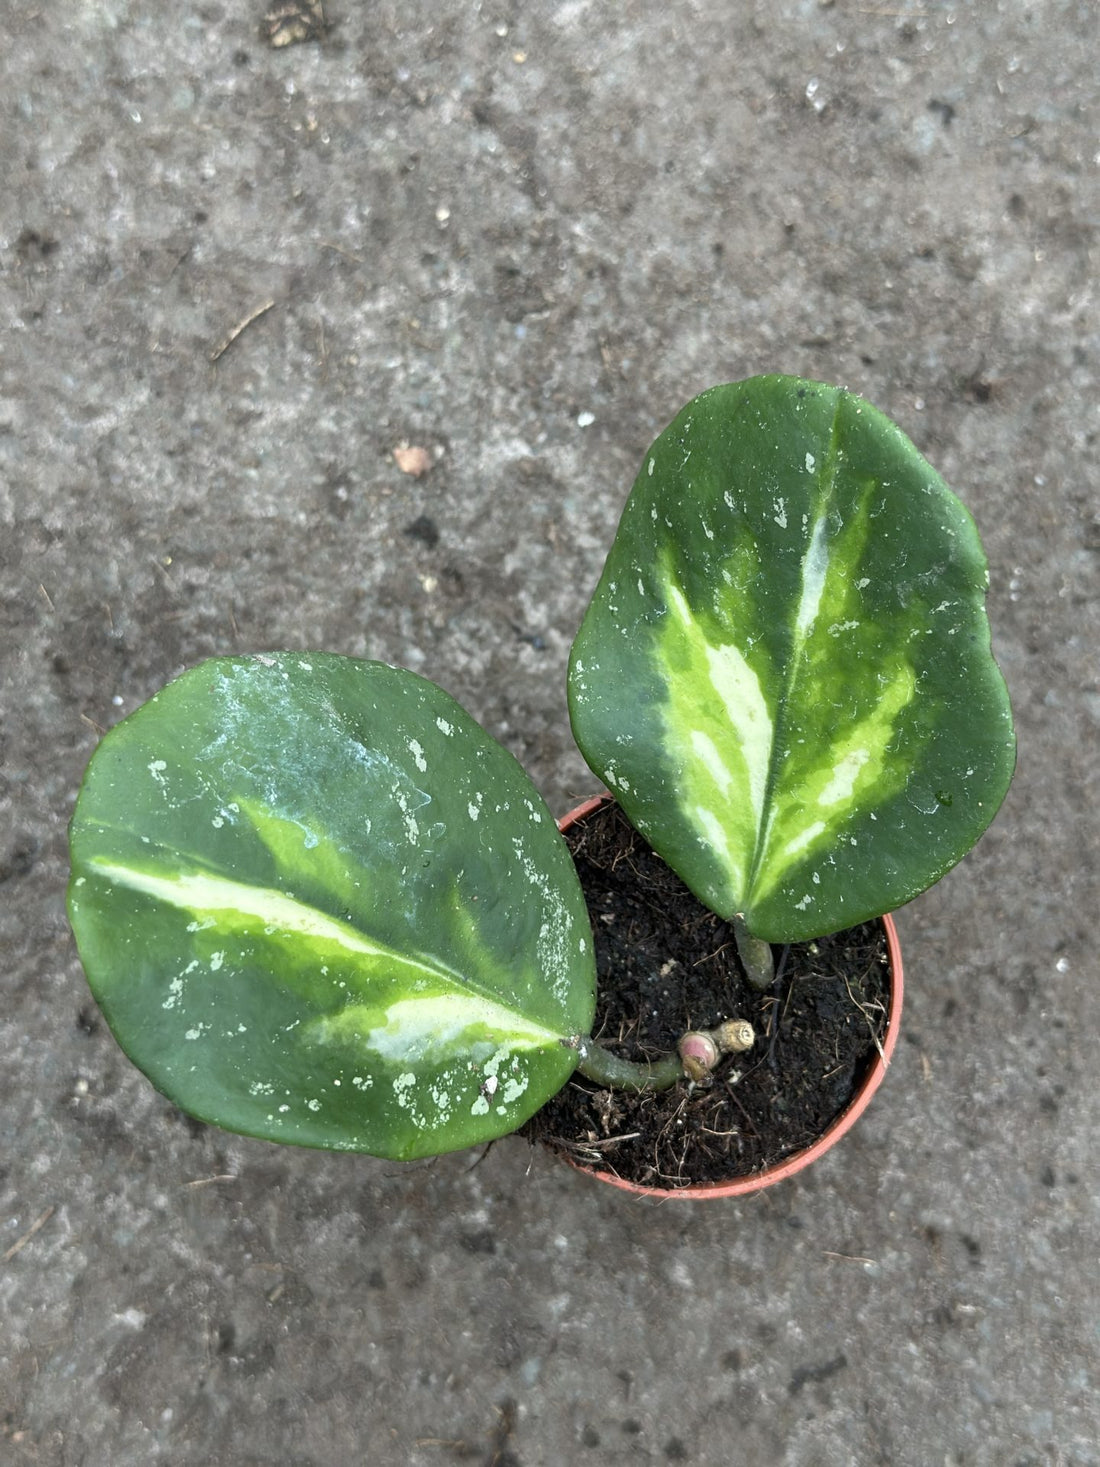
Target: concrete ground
[(520, 237)]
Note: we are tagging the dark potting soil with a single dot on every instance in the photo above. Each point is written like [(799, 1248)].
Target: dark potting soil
[(666, 964)]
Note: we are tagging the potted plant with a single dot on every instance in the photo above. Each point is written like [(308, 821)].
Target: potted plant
[(318, 904)]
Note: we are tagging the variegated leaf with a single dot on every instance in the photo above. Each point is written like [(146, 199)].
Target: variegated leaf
[(785, 672), (317, 903)]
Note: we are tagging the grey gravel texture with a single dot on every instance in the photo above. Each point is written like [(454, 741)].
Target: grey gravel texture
[(520, 237)]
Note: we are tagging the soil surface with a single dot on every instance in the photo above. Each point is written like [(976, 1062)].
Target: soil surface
[(666, 964)]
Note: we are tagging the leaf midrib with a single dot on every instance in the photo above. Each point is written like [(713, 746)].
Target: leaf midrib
[(429, 963), (798, 643)]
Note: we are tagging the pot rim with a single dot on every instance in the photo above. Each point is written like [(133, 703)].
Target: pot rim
[(791, 1165)]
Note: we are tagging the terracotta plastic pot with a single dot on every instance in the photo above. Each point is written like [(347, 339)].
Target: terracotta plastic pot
[(757, 1181)]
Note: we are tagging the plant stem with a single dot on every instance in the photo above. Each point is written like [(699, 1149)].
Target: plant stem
[(697, 1053), (755, 954), (604, 1068)]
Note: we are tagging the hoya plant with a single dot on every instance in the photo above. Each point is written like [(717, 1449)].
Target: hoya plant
[(317, 903)]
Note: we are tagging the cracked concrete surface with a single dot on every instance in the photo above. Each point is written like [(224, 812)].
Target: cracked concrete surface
[(519, 238)]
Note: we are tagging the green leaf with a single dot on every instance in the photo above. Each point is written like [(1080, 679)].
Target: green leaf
[(317, 903), (785, 672)]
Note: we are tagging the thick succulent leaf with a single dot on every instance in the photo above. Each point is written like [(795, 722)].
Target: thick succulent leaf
[(785, 672), (317, 903)]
